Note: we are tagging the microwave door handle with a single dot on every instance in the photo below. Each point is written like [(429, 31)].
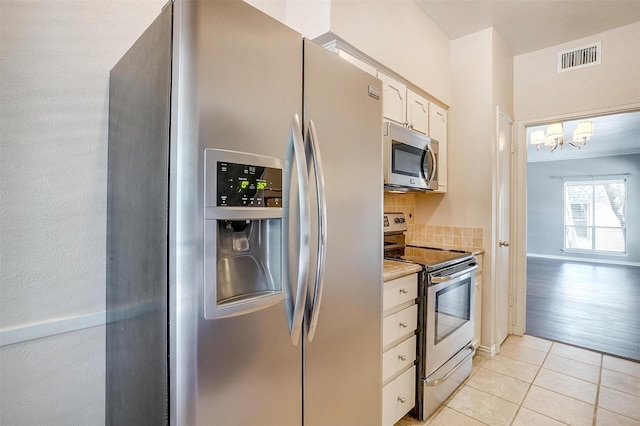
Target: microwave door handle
[(424, 165), (435, 165), (314, 153), (296, 153)]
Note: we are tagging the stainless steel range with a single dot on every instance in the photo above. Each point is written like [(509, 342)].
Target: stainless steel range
[(445, 323)]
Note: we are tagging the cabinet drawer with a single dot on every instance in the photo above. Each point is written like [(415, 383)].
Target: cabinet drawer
[(399, 324), (398, 358), (398, 397), (399, 291)]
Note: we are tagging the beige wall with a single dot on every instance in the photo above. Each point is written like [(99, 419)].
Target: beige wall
[(502, 74), (542, 92), (468, 201)]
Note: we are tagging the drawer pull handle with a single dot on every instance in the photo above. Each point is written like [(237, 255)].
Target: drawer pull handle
[(402, 400), (402, 357), (404, 291), (404, 325)]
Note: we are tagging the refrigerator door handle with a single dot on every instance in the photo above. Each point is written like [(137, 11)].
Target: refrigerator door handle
[(296, 153), (314, 154)]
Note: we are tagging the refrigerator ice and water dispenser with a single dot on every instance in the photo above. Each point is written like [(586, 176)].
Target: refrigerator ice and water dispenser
[(243, 232)]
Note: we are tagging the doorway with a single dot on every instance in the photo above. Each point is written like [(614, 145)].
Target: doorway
[(568, 277)]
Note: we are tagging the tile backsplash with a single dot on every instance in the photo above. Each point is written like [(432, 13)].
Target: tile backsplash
[(447, 236), (434, 235)]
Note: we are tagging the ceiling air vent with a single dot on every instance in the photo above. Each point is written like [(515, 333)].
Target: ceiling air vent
[(580, 57)]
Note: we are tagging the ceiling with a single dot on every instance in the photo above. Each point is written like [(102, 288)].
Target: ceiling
[(529, 25), (615, 134)]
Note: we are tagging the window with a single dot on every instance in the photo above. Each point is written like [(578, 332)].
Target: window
[(595, 216)]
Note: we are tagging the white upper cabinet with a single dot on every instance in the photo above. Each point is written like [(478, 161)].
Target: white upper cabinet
[(402, 105), (394, 99), (438, 131), (417, 112)]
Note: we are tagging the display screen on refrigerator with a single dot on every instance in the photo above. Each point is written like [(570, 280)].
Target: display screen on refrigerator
[(246, 185)]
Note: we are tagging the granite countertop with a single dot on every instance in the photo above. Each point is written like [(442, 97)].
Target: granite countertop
[(394, 269)]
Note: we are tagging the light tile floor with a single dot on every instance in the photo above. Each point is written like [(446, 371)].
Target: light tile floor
[(534, 381)]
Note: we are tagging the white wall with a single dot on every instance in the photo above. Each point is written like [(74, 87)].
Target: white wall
[(394, 33), (398, 35), (55, 62), (542, 92), (482, 79)]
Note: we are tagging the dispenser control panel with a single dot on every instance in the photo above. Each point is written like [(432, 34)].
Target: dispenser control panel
[(243, 232), (246, 185)]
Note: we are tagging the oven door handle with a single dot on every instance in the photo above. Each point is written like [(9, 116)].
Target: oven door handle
[(438, 280), (439, 381)]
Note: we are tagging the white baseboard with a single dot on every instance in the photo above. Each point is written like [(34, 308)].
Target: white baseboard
[(583, 259), (39, 330), (487, 351)]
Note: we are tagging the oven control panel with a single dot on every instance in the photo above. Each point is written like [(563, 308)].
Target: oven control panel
[(394, 223)]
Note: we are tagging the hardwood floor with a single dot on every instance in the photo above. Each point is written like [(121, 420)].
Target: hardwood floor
[(591, 305)]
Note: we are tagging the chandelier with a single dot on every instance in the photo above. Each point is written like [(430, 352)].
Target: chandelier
[(553, 137)]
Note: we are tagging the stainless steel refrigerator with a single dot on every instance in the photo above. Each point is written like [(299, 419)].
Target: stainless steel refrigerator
[(244, 234)]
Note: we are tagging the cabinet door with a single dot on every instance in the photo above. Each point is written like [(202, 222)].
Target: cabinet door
[(399, 291), (398, 358), (399, 325), (394, 99), (398, 397), (477, 316), (438, 131), (417, 112)]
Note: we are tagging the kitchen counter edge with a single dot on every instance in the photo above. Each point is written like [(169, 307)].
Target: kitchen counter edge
[(395, 269)]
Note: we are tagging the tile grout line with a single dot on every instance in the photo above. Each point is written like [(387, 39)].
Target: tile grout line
[(531, 384), (547, 353), (596, 402)]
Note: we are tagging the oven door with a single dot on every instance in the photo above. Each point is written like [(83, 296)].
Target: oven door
[(449, 313)]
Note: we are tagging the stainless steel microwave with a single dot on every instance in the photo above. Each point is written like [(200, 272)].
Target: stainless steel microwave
[(410, 160)]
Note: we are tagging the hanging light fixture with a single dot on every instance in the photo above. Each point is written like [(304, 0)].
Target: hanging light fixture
[(554, 136)]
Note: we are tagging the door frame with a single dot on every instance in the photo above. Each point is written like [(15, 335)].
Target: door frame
[(519, 205), (502, 114)]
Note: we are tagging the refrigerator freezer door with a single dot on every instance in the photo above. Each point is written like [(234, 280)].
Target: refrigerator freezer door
[(237, 85), (343, 362)]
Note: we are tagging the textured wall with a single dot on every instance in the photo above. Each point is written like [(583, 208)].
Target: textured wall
[(55, 58)]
